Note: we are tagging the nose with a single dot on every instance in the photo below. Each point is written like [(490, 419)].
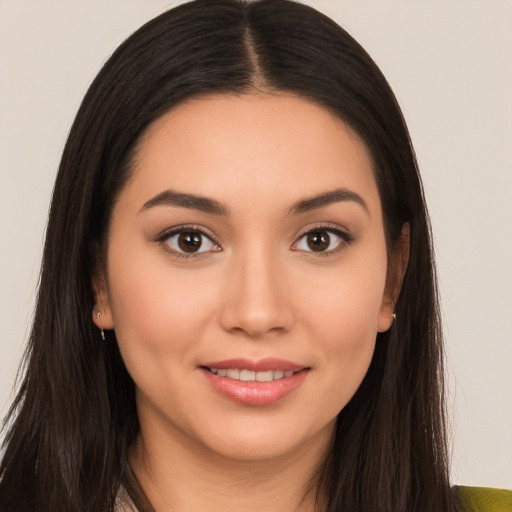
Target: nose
[(256, 300)]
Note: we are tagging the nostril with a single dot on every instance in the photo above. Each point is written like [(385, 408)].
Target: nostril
[(256, 304), (254, 332)]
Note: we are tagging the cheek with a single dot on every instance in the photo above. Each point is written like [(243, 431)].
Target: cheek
[(347, 342), (156, 310), (346, 303), (342, 318), (346, 329)]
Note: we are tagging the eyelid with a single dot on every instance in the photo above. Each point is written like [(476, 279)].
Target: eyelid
[(175, 230), (336, 229)]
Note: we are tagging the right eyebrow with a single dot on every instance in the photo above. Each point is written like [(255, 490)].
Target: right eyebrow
[(327, 198), (182, 200)]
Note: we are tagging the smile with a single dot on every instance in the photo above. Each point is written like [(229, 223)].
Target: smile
[(250, 375), (255, 383)]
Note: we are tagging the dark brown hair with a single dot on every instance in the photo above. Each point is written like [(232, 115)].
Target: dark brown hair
[(74, 418)]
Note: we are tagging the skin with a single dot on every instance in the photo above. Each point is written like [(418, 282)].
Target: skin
[(257, 290)]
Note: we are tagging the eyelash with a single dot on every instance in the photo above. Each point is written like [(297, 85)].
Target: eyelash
[(346, 239), (164, 237)]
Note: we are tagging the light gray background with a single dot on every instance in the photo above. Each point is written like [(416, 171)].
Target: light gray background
[(449, 63)]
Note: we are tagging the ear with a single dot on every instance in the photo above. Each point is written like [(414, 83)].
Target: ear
[(396, 271), (102, 312)]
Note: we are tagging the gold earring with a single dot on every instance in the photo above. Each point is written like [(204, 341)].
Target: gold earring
[(394, 317), (98, 314), (102, 334)]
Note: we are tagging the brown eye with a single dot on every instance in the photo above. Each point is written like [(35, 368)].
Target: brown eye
[(322, 240), (318, 240), (190, 242)]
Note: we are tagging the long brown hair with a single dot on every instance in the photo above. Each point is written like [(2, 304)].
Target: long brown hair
[(74, 418)]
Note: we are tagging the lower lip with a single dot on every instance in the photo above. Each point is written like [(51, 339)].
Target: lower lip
[(255, 393)]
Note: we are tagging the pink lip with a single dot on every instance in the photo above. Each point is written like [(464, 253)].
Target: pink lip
[(256, 393), (263, 365)]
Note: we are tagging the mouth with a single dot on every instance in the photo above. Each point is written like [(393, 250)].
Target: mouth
[(251, 375), (255, 383)]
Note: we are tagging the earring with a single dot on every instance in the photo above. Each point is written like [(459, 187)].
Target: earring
[(102, 334), (98, 314), (394, 317)]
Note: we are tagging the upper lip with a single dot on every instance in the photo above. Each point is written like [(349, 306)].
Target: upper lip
[(261, 365)]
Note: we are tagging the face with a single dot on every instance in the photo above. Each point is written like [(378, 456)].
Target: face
[(246, 276)]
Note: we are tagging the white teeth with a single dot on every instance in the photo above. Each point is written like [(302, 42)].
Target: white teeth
[(251, 376), (233, 374), (247, 375), (265, 376)]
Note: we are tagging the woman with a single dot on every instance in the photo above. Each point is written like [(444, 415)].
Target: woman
[(237, 304)]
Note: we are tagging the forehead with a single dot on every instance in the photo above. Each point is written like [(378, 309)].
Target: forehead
[(274, 147)]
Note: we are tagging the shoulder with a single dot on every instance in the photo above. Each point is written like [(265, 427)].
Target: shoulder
[(123, 502), (483, 499)]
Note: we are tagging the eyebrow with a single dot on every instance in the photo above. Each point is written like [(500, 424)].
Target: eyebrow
[(328, 198), (181, 200), (207, 205)]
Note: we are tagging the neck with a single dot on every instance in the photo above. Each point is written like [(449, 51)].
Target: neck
[(179, 476)]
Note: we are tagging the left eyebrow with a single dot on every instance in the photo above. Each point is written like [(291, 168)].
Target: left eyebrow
[(181, 200), (327, 198)]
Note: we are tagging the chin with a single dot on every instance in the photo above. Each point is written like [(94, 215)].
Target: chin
[(273, 441)]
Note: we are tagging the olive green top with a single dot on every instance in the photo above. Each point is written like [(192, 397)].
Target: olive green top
[(484, 499), (471, 499)]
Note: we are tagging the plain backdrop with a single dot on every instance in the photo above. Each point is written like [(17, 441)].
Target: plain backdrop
[(450, 65)]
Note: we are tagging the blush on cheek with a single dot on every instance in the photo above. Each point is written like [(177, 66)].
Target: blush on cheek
[(143, 302), (348, 334), (353, 349), (351, 317), (351, 360)]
